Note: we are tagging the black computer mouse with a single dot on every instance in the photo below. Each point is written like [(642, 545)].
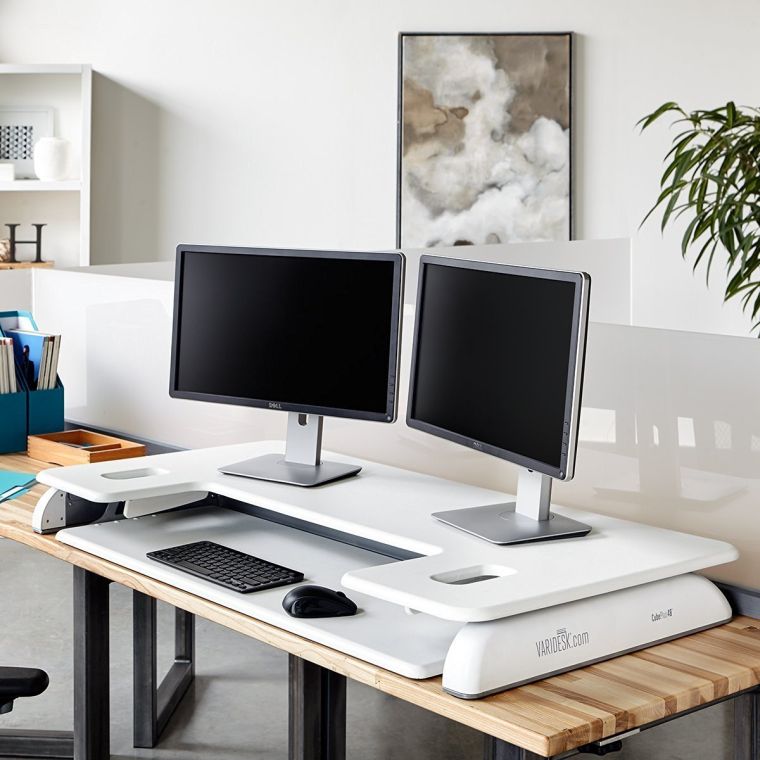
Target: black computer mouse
[(317, 602)]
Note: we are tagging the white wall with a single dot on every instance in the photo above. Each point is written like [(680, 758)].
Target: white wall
[(16, 290), (252, 122)]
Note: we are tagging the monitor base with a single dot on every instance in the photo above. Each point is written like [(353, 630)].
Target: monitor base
[(302, 464), (275, 468), (501, 524)]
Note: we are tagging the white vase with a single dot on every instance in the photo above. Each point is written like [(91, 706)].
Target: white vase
[(51, 158)]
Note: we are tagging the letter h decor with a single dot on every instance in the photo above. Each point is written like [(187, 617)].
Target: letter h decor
[(37, 242)]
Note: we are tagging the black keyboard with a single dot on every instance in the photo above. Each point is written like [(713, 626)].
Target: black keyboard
[(226, 567)]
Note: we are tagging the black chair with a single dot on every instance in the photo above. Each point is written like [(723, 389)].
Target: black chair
[(16, 683), (20, 682)]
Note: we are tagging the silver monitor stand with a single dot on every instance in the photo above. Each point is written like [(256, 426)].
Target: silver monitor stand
[(529, 519), (302, 464)]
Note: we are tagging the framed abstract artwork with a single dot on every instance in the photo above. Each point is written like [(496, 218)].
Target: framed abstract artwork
[(20, 128), (484, 139)]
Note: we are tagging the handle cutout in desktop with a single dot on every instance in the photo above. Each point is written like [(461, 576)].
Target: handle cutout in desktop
[(141, 472), (474, 574)]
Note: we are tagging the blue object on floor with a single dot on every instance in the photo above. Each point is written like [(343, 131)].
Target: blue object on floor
[(13, 484)]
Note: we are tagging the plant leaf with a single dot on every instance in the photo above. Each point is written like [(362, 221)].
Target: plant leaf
[(663, 109), (711, 178)]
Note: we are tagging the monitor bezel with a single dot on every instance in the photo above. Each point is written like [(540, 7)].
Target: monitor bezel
[(582, 281), (390, 413)]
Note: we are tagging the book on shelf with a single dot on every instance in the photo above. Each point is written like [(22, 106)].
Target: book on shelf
[(7, 367), (4, 385), (49, 363), (50, 360), (36, 355), (43, 382)]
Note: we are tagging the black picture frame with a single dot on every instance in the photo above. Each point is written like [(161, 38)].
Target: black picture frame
[(571, 38)]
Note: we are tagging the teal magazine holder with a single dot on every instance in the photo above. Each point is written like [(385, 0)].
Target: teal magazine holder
[(27, 412)]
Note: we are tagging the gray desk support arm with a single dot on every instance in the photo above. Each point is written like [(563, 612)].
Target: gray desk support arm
[(57, 509)]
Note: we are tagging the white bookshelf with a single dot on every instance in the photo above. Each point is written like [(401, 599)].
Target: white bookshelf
[(38, 186), (63, 205)]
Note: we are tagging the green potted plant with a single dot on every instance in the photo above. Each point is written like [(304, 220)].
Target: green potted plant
[(712, 178)]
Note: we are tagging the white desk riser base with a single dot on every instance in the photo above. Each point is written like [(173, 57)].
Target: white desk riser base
[(393, 507)]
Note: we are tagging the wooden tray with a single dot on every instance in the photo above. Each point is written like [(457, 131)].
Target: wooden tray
[(57, 448)]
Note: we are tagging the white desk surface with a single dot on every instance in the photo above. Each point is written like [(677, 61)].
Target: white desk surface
[(381, 633), (393, 506)]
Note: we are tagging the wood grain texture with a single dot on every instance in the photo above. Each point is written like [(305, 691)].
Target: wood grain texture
[(27, 264), (53, 448), (547, 717)]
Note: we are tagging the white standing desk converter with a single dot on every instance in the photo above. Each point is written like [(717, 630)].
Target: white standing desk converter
[(537, 583)]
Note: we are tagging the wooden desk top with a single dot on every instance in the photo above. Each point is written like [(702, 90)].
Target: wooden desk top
[(547, 717)]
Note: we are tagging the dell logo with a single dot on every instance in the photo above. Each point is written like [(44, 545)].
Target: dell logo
[(274, 405), (477, 445)]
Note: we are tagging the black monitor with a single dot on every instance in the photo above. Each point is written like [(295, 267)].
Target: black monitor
[(311, 333), (497, 366)]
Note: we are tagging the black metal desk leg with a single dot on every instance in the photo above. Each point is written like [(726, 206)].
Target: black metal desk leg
[(184, 638), (747, 726), (154, 702), (496, 749), (91, 665), (317, 717), (144, 670)]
